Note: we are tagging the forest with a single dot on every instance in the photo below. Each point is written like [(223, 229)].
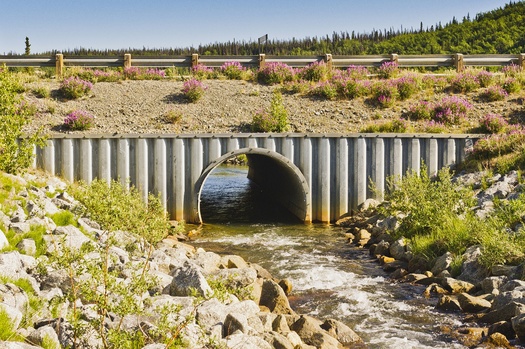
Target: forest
[(500, 31)]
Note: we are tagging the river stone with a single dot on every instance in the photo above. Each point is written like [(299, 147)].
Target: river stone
[(506, 297), (398, 249), (280, 324), (241, 340), (493, 284), (362, 237), (518, 324), (236, 322), (208, 261), (188, 279), (267, 320), (473, 304), (382, 248), (261, 272), (497, 340), (417, 265), (448, 303), (310, 331), (512, 285), (234, 277), (233, 261), (286, 285), (277, 340), (442, 263), (504, 313), (456, 286), (471, 270), (273, 297), (503, 327), (344, 334)]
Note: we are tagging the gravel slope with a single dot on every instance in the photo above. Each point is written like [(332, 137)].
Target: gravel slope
[(138, 107)]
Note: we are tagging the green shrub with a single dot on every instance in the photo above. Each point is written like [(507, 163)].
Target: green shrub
[(41, 92), (16, 148), (325, 90), (317, 71), (116, 208), (392, 126), (193, 90), (465, 82), (74, 87), (273, 120), (64, 218)]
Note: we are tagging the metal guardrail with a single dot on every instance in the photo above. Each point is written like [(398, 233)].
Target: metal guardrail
[(458, 60)]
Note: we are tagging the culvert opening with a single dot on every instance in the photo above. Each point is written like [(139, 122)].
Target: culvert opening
[(249, 189)]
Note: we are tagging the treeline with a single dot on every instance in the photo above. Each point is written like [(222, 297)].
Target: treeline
[(498, 31)]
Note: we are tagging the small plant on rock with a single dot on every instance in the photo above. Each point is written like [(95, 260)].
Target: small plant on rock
[(73, 87), (385, 94), (79, 120), (193, 89)]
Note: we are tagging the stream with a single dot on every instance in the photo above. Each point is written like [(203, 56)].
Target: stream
[(331, 279)]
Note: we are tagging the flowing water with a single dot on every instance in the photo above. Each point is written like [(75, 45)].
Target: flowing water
[(331, 278)]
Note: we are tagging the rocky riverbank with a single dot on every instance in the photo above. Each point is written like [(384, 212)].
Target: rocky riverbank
[(492, 300), (77, 285)]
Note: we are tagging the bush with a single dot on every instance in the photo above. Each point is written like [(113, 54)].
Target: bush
[(494, 93), (73, 87), (357, 72), (385, 94), (493, 123), (173, 116), (200, 71), (193, 90), (388, 70), (421, 111), (406, 86), (116, 208), (296, 86), (317, 71), (511, 85), (451, 110), (16, 148), (350, 88), (512, 70), (41, 92), (273, 120), (79, 120), (465, 82), (233, 70), (485, 78), (275, 73), (392, 126), (325, 90)]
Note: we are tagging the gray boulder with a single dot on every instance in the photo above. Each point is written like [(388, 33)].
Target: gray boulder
[(188, 279), (241, 340), (471, 269), (344, 334), (65, 237), (44, 334), (473, 304), (442, 263), (273, 297), (310, 331), (518, 324)]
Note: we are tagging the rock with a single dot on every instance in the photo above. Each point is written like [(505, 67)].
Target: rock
[(493, 284), (17, 345), (368, 204), (261, 272), (234, 277), (20, 227), (286, 285), (497, 340), (413, 277), (234, 323), (45, 334), (511, 285), (3, 240), (504, 313), (18, 215), (471, 270), (503, 270), (310, 331), (66, 236), (456, 286), (280, 324), (188, 279), (277, 340), (503, 327), (399, 273), (344, 334), (473, 304), (390, 267), (506, 297), (448, 303), (27, 246), (233, 261), (398, 249), (518, 325), (241, 340), (434, 289), (15, 265), (273, 297), (417, 265), (382, 248), (442, 263), (13, 314), (208, 261), (362, 237)]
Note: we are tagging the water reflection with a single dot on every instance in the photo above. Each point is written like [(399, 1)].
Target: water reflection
[(228, 196)]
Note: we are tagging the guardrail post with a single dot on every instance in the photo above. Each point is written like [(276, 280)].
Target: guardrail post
[(521, 60), (194, 60), (262, 60), (394, 58), (458, 61), (59, 70), (127, 60), (328, 60)]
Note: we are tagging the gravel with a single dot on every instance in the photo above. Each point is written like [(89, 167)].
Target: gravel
[(140, 106)]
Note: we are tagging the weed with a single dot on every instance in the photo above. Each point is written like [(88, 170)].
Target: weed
[(41, 92), (193, 90), (173, 116), (317, 71), (388, 70), (275, 73), (494, 93), (392, 126), (74, 87), (273, 120), (465, 82), (232, 70), (79, 120)]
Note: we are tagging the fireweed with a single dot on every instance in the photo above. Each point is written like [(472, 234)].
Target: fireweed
[(406, 86), (388, 70), (494, 93), (233, 70), (73, 87), (351, 88), (385, 93), (451, 110), (317, 71), (485, 78), (511, 85), (493, 123), (276, 73), (193, 89), (325, 90), (200, 71), (79, 120), (512, 70), (357, 72), (465, 82)]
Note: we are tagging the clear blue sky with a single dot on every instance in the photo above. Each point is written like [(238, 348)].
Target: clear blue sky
[(119, 24)]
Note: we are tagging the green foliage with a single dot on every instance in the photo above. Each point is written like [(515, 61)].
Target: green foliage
[(273, 120), (116, 208), (74, 87), (392, 126), (465, 82), (7, 330), (223, 288), (16, 149), (326, 90), (36, 233), (173, 116), (64, 218), (41, 92)]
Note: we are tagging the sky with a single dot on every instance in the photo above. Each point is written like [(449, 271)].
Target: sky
[(120, 24)]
